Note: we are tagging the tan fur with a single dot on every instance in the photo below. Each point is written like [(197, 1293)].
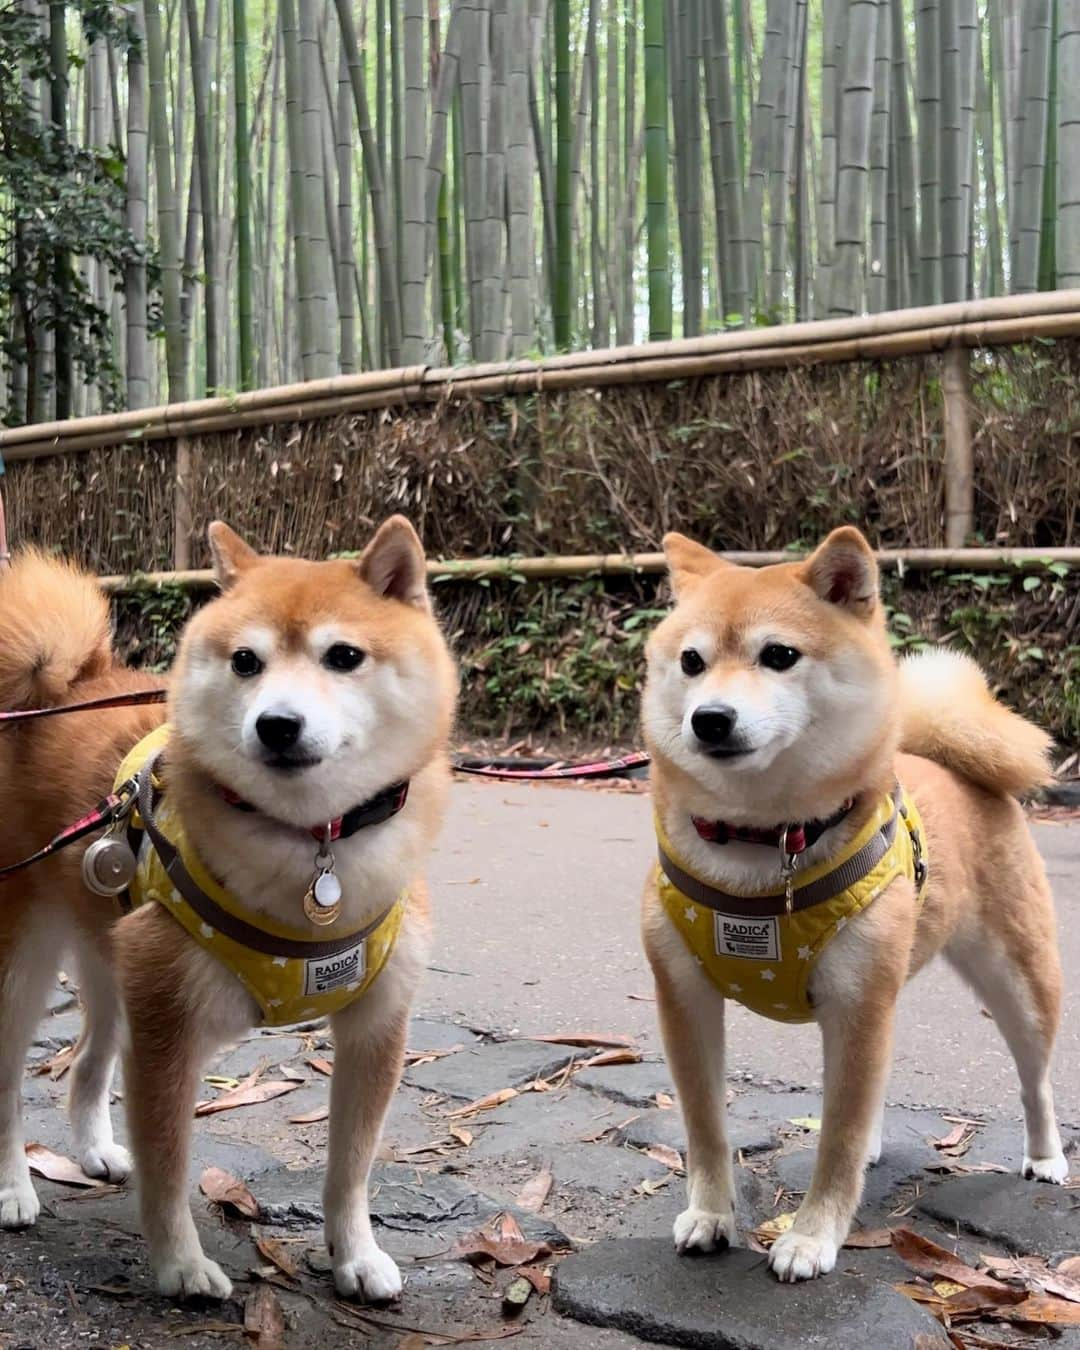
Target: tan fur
[(180, 1003), (987, 904), (949, 715)]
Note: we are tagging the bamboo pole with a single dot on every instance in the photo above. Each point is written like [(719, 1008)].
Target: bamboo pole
[(1001, 321), (651, 564), (182, 514), (959, 458)]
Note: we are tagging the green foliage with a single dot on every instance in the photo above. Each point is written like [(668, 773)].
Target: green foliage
[(149, 620), (59, 201)]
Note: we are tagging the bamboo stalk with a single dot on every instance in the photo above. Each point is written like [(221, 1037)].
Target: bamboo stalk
[(647, 564), (1001, 321), (959, 459)]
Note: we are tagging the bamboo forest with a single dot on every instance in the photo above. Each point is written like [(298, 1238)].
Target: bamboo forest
[(203, 197)]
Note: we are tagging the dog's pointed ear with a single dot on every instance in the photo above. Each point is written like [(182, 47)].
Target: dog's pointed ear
[(844, 571), (688, 561), (231, 555), (393, 564)]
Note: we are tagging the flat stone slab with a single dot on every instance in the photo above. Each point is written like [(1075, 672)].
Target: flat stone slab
[(666, 1127), (732, 1302), (425, 1034), (1029, 1217), (634, 1084), (484, 1068)]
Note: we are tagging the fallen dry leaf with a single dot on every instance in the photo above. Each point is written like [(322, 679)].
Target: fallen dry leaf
[(664, 1101), (958, 1169), (229, 1192), (538, 1277), (487, 1103), (264, 1321), (936, 1262), (502, 1241), (55, 1167), (463, 1136), (310, 1117), (1070, 1266), (1036, 1274), (516, 1294), (870, 1237), (57, 1065), (253, 1094), (925, 1341), (321, 1065), (650, 1187), (278, 1255), (585, 1039), (292, 1073), (665, 1156), (624, 1055), (955, 1135), (766, 1233), (1046, 1310), (414, 1057), (532, 1195)]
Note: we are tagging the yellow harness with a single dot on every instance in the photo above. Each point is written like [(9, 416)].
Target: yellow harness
[(762, 955), (288, 989)]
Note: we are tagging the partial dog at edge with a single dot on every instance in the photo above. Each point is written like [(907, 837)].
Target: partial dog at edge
[(773, 696), (304, 691)]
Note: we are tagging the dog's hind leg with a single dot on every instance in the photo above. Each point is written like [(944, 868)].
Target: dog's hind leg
[(29, 959), (94, 1065), (691, 1012), (1021, 988)]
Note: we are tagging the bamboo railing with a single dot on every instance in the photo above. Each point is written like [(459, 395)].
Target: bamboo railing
[(949, 329)]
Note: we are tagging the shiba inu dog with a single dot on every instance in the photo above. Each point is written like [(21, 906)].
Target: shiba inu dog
[(285, 811), (827, 822)]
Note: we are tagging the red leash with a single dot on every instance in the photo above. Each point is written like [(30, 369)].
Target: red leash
[(602, 768)]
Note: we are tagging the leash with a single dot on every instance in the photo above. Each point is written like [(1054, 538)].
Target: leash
[(601, 768), (133, 700), (108, 811)]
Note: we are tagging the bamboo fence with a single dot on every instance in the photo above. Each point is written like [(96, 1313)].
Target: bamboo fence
[(951, 330)]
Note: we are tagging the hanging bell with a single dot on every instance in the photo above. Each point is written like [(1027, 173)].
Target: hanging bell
[(108, 865)]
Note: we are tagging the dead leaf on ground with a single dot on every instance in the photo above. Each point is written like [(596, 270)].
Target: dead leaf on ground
[(463, 1136), (55, 1167), (664, 1101), (958, 1169), (665, 1156), (1036, 1274), (812, 1123), (650, 1187), (1046, 1310), (264, 1321), (1070, 1266), (290, 1072), (624, 1055), (487, 1103), (502, 1241), (766, 1233), (584, 1039), (310, 1117), (532, 1195), (278, 1255), (247, 1094), (869, 1237), (57, 1065), (321, 1065), (415, 1057), (538, 1277), (228, 1191), (925, 1341), (957, 1142), (936, 1262)]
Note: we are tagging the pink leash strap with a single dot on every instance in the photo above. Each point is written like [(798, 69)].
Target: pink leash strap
[(110, 808), (598, 769), (134, 700)]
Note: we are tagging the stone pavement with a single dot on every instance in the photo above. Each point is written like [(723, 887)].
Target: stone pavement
[(544, 942)]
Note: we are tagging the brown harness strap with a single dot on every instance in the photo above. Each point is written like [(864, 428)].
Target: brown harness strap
[(803, 897), (210, 912)]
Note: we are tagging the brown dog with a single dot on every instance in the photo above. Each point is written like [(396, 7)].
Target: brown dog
[(793, 871), (309, 712)]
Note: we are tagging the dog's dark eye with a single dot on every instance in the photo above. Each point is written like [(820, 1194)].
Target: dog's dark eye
[(343, 657), (245, 663), (778, 657), (691, 661)]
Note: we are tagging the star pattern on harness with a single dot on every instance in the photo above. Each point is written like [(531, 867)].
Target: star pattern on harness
[(690, 914), (768, 974), (804, 953)]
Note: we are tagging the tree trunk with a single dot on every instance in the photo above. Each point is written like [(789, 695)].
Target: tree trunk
[(851, 182), (414, 257), (61, 260), (564, 213), (207, 170), (1068, 182), (656, 170), (1034, 82), (244, 281), (958, 42), (135, 218), (520, 183)]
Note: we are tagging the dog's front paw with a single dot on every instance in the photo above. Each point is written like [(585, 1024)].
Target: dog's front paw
[(372, 1276), (19, 1205), (1054, 1169), (801, 1256), (110, 1162), (192, 1277), (701, 1230)]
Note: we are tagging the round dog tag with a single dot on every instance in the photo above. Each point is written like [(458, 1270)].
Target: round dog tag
[(322, 903), (108, 866)]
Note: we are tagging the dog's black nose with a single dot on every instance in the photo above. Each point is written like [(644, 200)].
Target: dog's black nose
[(279, 731), (713, 724)]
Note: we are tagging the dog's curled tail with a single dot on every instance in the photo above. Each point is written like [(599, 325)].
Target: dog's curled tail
[(950, 716), (54, 631)]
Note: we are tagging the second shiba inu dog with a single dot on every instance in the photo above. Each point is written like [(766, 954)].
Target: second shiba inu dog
[(827, 822), (285, 810)]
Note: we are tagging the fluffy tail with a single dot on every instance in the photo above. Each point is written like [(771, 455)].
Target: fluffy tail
[(54, 631), (950, 716)]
